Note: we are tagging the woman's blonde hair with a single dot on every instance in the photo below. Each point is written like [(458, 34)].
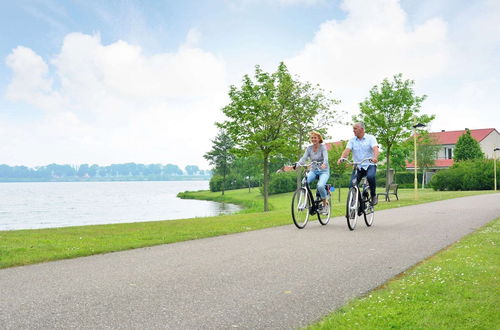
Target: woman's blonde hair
[(318, 135)]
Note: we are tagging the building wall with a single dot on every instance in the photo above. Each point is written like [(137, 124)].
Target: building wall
[(489, 143)]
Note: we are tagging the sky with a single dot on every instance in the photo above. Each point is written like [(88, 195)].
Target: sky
[(103, 82)]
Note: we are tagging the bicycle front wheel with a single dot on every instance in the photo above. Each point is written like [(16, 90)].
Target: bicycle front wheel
[(352, 207), (369, 214), (300, 208), (325, 217)]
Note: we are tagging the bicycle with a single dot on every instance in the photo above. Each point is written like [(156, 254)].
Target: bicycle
[(304, 205), (359, 201)]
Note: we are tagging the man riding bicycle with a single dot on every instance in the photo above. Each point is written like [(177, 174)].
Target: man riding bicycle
[(363, 146)]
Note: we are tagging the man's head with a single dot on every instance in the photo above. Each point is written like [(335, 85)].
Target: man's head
[(359, 129)]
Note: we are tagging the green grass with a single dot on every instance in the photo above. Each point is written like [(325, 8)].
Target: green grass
[(22, 247), (457, 288)]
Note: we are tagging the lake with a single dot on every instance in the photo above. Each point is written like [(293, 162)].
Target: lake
[(31, 205)]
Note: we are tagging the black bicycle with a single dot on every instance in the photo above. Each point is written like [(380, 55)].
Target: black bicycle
[(358, 200), (304, 204)]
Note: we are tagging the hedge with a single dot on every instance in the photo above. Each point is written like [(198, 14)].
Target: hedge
[(232, 182), (466, 175)]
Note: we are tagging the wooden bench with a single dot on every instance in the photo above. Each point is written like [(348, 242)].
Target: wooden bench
[(391, 190)]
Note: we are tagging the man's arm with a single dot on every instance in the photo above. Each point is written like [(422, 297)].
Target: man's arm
[(344, 154), (375, 154)]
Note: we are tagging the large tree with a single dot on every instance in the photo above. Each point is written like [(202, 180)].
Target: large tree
[(467, 148), (390, 112), (310, 108), (220, 156), (257, 120), (270, 115)]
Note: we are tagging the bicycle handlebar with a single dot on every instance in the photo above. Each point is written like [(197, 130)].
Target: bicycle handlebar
[(356, 163), (295, 165)]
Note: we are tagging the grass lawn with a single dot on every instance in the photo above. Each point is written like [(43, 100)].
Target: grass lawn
[(457, 288), (22, 247)]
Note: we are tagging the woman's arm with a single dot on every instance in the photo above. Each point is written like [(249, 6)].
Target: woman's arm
[(325, 157), (304, 157)]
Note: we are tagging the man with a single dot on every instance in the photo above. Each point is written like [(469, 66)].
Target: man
[(363, 146)]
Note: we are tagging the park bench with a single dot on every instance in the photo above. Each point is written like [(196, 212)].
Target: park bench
[(391, 190)]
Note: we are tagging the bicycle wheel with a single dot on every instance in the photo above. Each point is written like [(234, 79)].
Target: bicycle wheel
[(369, 213), (300, 208), (327, 216), (352, 207)]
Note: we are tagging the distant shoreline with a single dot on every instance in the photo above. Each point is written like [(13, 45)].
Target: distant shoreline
[(110, 179)]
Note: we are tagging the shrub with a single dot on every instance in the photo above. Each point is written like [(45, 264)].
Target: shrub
[(282, 182), (233, 181), (465, 175)]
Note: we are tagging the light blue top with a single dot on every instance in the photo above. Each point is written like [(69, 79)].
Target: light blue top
[(321, 155), (362, 148)]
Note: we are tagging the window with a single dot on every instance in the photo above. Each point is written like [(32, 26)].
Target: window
[(448, 153)]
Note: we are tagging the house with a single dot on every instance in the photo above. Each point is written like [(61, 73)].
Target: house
[(488, 139)]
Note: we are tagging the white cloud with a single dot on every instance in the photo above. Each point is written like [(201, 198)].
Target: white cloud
[(111, 103), (376, 41), (373, 42)]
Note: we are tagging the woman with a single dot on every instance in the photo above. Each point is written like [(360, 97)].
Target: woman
[(317, 152)]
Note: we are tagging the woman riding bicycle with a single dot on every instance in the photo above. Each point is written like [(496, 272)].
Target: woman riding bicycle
[(318, 155)]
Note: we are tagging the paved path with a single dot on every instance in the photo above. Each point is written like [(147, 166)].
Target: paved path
[(277, 278)]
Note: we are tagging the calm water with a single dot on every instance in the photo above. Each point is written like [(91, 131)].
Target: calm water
[(61, 204)]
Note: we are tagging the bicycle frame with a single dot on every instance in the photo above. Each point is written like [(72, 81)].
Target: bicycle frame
[(314, 202), (360, 192), (361, 200), (304, 205)]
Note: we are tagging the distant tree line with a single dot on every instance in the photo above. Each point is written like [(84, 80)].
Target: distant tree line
[(114, 172)]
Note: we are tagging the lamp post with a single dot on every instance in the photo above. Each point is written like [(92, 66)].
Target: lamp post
[(415, 155), (495, 166)]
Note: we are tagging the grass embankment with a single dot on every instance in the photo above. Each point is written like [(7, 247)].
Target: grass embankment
[(22, 247), (455, 289)]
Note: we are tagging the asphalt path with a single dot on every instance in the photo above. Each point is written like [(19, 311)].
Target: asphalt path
[(276, 278)]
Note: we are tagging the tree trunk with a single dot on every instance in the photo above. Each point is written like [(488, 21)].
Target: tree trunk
[(299, 176), (388, 167), (223, 182), (266, 182)]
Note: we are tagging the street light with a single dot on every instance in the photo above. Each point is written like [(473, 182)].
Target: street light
[(415, 154), (495, 166)]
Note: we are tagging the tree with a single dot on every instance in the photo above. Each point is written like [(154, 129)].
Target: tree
[(427, 150), (192, 169), (263, 113), (400, 154), (333, 155), (171, 169), (248, 168), (310, 109), (257, 118), (220, 156), (389, 114), (467, 148)]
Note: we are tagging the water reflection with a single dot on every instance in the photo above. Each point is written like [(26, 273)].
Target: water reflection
[(225, 208)]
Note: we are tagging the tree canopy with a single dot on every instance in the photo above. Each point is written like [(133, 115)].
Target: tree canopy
[(467, 148), (390, 112), (269, 115), (220, 156)]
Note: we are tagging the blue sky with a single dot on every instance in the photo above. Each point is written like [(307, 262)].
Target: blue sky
[(143, 81)]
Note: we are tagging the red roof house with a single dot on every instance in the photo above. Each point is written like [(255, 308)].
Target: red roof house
[(488, 139)]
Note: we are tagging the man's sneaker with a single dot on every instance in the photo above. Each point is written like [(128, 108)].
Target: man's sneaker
[(374, 200), (324, 210)]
